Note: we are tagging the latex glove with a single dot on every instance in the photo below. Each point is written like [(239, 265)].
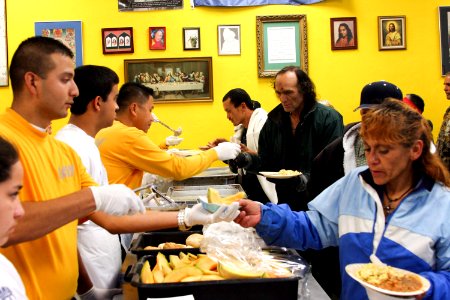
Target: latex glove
[(100, 294), (298, 182), (116, 199), (173, 140), (227, 150), (197, 215)]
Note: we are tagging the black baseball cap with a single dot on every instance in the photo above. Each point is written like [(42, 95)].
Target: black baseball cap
[(374, 93)]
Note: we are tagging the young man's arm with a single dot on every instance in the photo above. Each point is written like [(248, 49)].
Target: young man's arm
[(43, 217)]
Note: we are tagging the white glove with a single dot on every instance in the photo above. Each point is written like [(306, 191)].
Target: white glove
[(173, 140), (100, 294), (227, 150), (116, 199), (197, 215)]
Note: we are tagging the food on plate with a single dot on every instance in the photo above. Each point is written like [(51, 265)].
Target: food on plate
[(214, 197), (288, 172), (194, 240), (167, 245), (389, 278)]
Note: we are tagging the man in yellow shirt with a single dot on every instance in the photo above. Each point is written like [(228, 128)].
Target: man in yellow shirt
[(57, 190), (127, 151), (93, 109)]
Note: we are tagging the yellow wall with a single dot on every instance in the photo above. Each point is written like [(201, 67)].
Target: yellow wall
[(338, 75)]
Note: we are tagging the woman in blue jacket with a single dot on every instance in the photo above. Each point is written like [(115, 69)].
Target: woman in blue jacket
[(395, 210)]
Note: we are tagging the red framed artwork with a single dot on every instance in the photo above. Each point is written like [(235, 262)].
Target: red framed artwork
[(157, 38), (117, 40)]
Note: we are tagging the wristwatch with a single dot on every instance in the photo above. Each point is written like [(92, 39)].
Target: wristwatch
[(180, 219)]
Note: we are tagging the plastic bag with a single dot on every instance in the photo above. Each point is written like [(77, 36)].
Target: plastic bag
[(242, 248)]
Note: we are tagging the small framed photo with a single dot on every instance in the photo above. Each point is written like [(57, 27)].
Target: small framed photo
[(157, 38), (343, 33), (191, 38), (117, 40), (392, 33), (229, 39), (444, 30)]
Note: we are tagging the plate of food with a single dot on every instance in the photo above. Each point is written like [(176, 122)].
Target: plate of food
[(388, 281), (184, 152), (282, 174)]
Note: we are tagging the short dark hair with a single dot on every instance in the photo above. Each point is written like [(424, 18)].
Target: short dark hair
[(33, 55), (8, 157), (92, 81), (238, 96), (417, 101), (304, 84), (133, 92)]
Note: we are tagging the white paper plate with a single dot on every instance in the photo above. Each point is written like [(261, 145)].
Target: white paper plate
[(277, 175), (352, 270)]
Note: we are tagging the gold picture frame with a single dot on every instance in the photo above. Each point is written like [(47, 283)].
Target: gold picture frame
[(173, 79), (281, 41)]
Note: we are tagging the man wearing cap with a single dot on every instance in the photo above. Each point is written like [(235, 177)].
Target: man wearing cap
[(335, 161), (443, 142)]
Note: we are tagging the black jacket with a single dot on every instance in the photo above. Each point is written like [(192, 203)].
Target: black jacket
[(327, 166), (280, 149)]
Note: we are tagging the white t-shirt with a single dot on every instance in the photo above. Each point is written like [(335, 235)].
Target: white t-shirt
[(100, 250), (11, 286)]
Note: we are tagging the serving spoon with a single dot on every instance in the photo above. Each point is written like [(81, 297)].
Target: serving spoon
[(176, 132)]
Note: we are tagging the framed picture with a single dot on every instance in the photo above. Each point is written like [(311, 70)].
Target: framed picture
[(117, 40), (229, 39), (191, 38), (281, 41), (3, 46), (343, 33), (444, 30), (157, 36), (173, 79), (392, 33), (68, 32)]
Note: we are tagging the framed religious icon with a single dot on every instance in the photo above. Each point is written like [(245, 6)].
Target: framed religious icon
[(117, 40), (281, 41), (191, 38), (392, 33), (68, 32), (229, 39), (173, 79), (157, 38), (343, 33), (444, 30)]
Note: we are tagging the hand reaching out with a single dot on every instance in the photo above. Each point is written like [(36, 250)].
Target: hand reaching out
[(250, 214)]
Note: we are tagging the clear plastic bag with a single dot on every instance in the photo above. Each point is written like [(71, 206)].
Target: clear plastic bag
[(242, 248)]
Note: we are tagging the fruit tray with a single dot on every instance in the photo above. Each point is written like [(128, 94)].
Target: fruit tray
[(156, 238), (248, 289)]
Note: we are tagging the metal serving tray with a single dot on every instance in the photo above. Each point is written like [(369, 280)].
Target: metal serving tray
[(190, 193)]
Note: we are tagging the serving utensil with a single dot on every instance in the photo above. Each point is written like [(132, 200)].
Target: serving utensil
[(176, 132), (167, 203)]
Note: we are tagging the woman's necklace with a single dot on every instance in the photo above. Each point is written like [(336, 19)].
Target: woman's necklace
[(388, 207)]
